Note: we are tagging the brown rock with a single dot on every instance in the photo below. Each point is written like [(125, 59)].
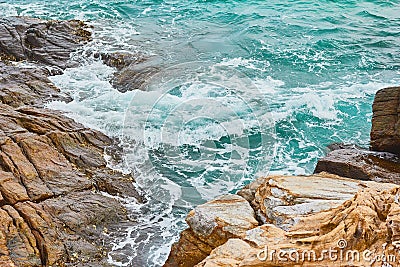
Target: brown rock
[(43, 121), (115, 183), (189, 251), (76, 148), (385, 132), (362, 165), (16, 162), (51, 168), (26, 86), (80, 210), (11, 190), (120, 60), (50, 246), (229, 254), (280, 199), (367, 222), (211, 225), (23, 250), (51, 159)]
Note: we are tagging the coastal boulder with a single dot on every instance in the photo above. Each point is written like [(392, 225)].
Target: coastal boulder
[(133, 71), (300, 217), (358, 232), (385, 132), (211, 225), (280, 200), (382, 162), (279, 203)]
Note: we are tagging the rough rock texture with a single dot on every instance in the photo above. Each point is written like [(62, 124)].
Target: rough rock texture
[(360, 230), (47, 42), (26, 86), (53, 210), (281, 199), (323, 213), (211, 225), (361, 164), (385, 132)]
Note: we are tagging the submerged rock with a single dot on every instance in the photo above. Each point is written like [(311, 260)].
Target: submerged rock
[(134, 71)]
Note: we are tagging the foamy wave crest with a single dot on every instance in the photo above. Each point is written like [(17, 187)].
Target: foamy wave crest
[(193, 132), (197, 126)]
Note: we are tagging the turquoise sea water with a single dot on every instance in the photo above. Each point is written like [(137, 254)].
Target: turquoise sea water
[(244, 88)]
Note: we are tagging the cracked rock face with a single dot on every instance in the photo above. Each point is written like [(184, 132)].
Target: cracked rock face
[(22, 86), (385, 132), (362, 226), (52, 171), (211, 225), (46, 42), (280, 200), (326, 211)]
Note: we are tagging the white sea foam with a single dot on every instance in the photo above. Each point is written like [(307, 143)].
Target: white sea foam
[(98, 105), (247, 63), (95, 102), (307, 117)]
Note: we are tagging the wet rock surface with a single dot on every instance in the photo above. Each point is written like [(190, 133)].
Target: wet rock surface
[(47, 42), (362, 164), (133, 70), (54, 210), (29, 86), (53, 176), (381, 163)]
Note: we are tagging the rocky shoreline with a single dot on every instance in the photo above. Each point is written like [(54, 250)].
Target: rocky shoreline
[(56, 192), (346, 214)]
